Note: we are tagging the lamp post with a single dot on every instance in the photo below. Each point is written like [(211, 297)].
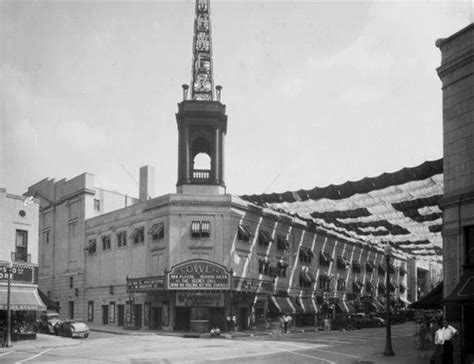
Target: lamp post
[(388, 334), (8, 343)]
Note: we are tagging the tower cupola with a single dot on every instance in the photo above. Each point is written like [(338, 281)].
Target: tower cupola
[(201, 118)]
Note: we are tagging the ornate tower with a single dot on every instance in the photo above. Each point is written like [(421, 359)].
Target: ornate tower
[(202, 122)]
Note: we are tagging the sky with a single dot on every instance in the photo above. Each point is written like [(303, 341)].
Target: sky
[(316, 93)]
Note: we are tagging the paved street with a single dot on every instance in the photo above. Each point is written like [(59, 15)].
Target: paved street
[(360, 346)]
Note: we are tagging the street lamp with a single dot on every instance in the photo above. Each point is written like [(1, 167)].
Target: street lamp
[(388, 335), (8, 343)]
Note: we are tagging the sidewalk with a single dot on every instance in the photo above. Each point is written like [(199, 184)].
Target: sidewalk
[(42, 341)]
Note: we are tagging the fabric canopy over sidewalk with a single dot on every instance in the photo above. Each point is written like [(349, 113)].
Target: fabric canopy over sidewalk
[(400, 208), (431, 301), (308, 305), (21, 299), (283, 304), (464, 291)]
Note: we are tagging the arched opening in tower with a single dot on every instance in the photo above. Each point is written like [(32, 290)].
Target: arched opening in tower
[(201, 168)]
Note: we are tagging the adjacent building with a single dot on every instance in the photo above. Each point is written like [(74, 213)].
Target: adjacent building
[(19, 245), (457, 75)]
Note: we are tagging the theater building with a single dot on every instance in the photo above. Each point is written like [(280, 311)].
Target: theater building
[(201, 257)]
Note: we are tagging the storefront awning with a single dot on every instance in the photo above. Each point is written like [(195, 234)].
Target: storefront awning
[(341, 307), (21, 299), (283, 304), (308, 305), (404, 300), (464, 290), (431, 301)]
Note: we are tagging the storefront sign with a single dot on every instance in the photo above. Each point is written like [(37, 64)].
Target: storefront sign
[(252, 285), (198, 274), (189, 299), (21, 273), (145, 284)]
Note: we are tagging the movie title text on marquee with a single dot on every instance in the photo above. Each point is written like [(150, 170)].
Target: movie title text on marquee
[(198, 274), (20, 273)]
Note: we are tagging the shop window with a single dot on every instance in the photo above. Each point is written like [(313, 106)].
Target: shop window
[(200, 229), (138, 235), (122, 239), (264, 238), (90, 311), (244, 233), (106, 242), (341, 285), (21, 249), (92, 247), (157, 231)]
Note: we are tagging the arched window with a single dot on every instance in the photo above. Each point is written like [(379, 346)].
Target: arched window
[(202, 161)]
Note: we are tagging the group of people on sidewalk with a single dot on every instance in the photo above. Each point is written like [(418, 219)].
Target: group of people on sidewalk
[(432, 335)]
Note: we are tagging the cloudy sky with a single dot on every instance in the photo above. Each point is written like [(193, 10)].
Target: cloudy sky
[(316, 92)]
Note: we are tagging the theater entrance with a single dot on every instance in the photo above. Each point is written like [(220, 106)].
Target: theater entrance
[(182, 318)]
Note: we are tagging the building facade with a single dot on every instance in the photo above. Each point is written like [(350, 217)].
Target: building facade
[(19, 245), (457, 75)]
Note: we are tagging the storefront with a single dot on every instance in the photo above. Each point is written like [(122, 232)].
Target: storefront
[(24, 300)]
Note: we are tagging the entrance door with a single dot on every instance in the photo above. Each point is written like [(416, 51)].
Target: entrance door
[(182, 318), (105, 314), (243, 318), (217, 318), (121, 314), (138, 316), (155, 318)]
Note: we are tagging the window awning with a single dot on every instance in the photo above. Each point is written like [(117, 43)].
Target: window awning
[(464, 291), (307, 276), (342, 262), (356, 265), (349, 306), (245, 231), (21, 299), (341, 307), (308, 305), (265, 236), (282, 242), (431, 301), (283, 304), (326, 256)]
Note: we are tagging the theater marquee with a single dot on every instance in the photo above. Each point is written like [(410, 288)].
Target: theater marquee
[(198, 274)]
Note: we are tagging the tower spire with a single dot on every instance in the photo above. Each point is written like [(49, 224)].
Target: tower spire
[(202, 83)]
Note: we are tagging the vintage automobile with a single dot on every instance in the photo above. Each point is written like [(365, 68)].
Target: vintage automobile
[(375, 321), (73, 328), (48, 322)]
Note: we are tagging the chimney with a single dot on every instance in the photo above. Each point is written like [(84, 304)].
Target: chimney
[(147, 182)]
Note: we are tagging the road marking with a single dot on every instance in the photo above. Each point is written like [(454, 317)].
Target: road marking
[(308, 356), (335, 352), (8, 352), (34, 356)]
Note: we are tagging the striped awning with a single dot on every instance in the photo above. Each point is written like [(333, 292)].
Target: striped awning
[(21, 299), (308, 305), (283, 304)]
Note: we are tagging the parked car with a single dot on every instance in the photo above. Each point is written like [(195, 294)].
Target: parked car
[(48, 322), (73, 328), (375, 321)]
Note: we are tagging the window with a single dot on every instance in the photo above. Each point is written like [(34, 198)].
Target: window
[(369, 287), (282, 267), (244, 233), (92, 247), (90, 311), (71, 309), (342, 263), (46, 237), (96, 205), (325, 259), (469, 244), (356, 286), (263, 267), (369, 267), (381, 288), (138, 235), (306, 279), (282, 243), (403, 271), (391, 269), (264, 238), (341, 285), (200, 229), (21, 252), (381, 269), (112, 313), (324, 283), (402, 288), (157, 231), (306, 255), (356, 267), (122, 239), (106, 242), (71, 282)]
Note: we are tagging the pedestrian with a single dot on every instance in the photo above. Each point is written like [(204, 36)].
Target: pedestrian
[(437, 357), (447, 333), (285, 323)]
